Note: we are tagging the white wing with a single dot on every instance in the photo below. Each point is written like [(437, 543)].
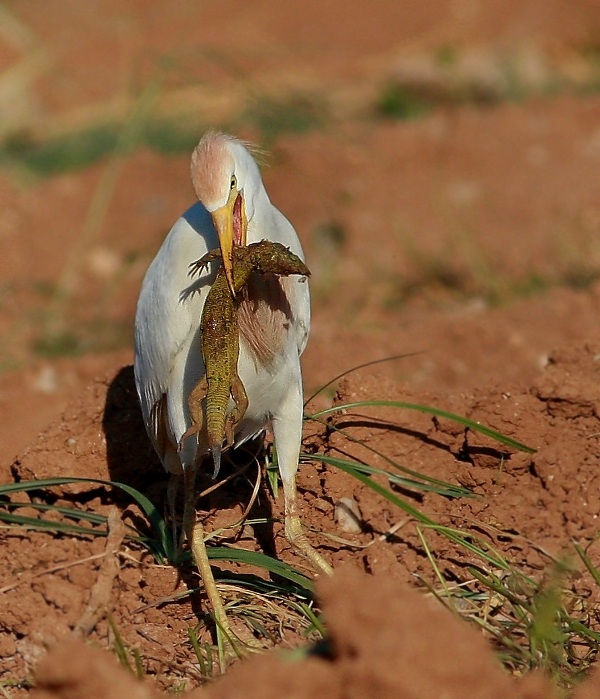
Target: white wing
[(167, 322)]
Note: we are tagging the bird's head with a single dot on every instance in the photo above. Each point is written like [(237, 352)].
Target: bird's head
[(227, 182)]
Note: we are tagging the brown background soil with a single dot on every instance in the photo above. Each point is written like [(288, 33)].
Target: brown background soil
[(469, 237)]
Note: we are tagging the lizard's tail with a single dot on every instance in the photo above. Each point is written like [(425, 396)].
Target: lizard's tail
[(215, 450)]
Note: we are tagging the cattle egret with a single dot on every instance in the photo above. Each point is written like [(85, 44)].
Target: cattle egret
[(274, 319)]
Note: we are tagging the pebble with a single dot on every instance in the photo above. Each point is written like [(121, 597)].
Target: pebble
[(348, 516)]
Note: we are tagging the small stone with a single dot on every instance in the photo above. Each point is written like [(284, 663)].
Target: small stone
[(348, 516)]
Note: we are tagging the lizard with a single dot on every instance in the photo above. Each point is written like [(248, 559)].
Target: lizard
[(220, 340)]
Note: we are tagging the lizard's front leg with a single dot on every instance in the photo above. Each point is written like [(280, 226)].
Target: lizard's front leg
[(201, 264)]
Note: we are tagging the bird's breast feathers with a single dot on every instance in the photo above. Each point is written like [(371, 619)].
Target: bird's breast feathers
[(265, 316)]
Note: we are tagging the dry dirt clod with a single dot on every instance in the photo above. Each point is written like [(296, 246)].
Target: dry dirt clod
[(73, 670), (99, 602)]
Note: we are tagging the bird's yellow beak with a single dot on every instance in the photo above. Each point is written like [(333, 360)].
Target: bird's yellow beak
[(231, 224)]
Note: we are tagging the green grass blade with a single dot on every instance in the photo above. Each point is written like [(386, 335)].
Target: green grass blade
[(471, 424), (139, 666), (119, 645), (69, 512), (316, 621), (454, 535), (356, 368), (593, 571), (202, 664), (459, 491), (465, 541), (439, 487), (435, 568), (272, 470), (583, 630), (260, 560), (492, 582), (46, 525), (387, 494), (164, 545), (62, 527), (267, 588), (25, 486)]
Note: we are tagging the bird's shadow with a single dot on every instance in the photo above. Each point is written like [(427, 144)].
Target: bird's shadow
[(205, 279), (133, 461), (130, 455)]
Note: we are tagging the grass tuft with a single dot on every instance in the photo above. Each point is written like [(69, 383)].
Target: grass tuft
[(431, 410), (130, 659)]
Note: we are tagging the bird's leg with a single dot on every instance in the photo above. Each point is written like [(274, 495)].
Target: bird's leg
[(194, 532), (172, 490), (287, 429), (294, 532)]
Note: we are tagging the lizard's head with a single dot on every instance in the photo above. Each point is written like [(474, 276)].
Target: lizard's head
[(227, 182)]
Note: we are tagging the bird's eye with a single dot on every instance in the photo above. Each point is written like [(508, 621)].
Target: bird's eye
[(233, 182)]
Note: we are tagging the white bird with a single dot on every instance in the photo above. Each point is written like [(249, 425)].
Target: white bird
[(274, 320)]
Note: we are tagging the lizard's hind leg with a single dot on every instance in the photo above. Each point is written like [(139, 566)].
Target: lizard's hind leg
[(197, 395), (240, 399)]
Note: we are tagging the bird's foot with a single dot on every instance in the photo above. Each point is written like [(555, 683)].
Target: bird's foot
[(297, 538)]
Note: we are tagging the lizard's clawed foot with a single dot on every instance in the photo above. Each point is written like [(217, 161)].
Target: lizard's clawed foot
[(200, 265)]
